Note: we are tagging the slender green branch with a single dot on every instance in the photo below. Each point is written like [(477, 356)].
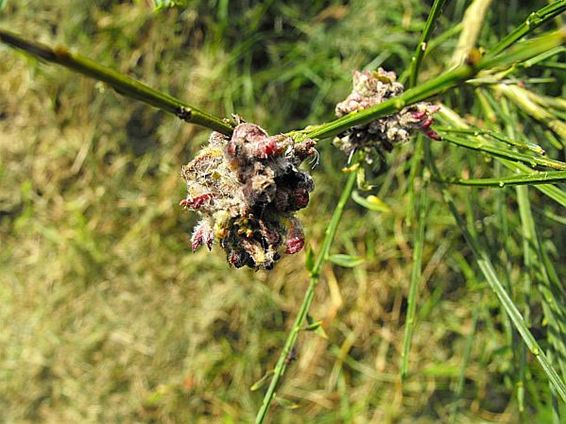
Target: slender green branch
[(534, 20), (452, 118), (467, 354), (550, 177), (483, 146), (425, 36), (472, 23), (421, 203), (418, 198), (533, 105), (329, 235), (524, 146), (490, 275), (120, 82), (448, 80), (485, 265)]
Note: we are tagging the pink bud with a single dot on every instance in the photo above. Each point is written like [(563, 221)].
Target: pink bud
[(295, 238), (418, 115), (266, 149), (294, 245), (231, 149), (237, 259), (196, 202), (202, 234), (426, 123), (430, 133), (301, 198)]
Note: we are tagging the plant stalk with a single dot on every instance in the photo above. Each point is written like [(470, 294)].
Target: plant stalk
[(121, 83), (425, 36), (550, 177), (533, 21), (329, 235), (438, 85)]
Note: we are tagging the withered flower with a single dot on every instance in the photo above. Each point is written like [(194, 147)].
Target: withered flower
[(246, 189), (369, 89)]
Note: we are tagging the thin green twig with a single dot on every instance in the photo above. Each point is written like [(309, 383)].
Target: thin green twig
[(533, 21), (120, 82), (417, 58), (448, 80), (453, 119), (490, 275), (418, 199), (535, 148), (484, 263), (421, 203), (549, 177), (467, 354), (482, 146), (329, 235)]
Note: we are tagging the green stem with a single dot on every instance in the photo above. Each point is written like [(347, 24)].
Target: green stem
[(421, 205), (483, 146), (417, 198), (485, 265), (469, 344), (437, 85), (524, 146), (534, 20), (452, 118), (329, 235), (425, 36), (120, 82), (550, 177)]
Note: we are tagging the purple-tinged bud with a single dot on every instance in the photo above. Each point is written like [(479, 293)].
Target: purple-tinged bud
[(238, 259), (266, 149), (426, 123), (369, 89), (196, 202), (433, 135), (294, 245), (418, 114), (202, 234), (295, 237), (300, 198)]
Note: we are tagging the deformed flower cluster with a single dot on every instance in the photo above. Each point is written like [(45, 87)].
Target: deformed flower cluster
[(247, 188), (371, 88)]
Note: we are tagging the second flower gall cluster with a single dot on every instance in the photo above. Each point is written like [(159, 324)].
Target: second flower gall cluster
[(371, 88)]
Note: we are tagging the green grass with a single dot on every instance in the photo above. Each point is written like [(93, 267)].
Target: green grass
[(108, 317)]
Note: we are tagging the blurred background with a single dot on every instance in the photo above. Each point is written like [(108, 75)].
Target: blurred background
[(107, 316)]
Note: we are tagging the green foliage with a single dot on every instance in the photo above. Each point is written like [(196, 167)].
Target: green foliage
[(163, 4), (107, 316)]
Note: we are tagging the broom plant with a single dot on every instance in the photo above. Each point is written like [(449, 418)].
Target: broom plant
[(503, 98)]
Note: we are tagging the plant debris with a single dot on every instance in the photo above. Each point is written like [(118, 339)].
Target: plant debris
[(247, 189)]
